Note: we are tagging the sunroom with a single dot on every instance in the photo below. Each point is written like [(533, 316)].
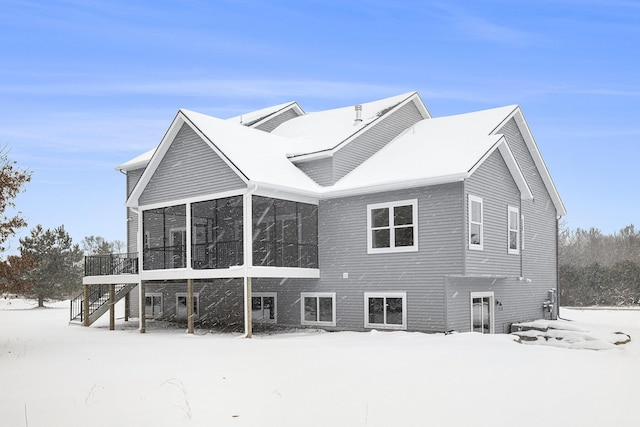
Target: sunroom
[(232, 236)]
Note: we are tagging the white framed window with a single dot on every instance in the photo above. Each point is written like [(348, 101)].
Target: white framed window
[(181, 305), (318, 308), (522, 232), (482, 312), (513, 238), (153, 305), (263, 307), (392, 227), (476, 226), (385, 310)]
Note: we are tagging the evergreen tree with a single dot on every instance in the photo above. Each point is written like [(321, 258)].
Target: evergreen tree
[(57, 266)]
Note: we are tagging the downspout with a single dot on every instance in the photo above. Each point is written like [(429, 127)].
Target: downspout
[(558, 268), (248, 257)]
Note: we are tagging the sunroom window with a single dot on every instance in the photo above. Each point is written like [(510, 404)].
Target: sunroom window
[(217, 233), (285, 233), (164, 231)]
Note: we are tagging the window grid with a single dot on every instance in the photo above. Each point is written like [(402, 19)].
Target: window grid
[(392, 227)]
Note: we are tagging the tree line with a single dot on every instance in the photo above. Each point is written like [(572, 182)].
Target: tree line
[(49, 265), (597, 269)]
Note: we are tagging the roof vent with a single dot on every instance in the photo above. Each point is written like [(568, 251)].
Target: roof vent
[(358, 113)]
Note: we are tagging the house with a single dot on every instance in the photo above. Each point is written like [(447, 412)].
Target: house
[(373, 216)]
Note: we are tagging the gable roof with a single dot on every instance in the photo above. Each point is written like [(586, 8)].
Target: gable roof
[(256, 118), (253, 155), (326, 131), (517, 115), (433, 151)]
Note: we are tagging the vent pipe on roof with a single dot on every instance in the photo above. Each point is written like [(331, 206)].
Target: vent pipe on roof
[(358, 113)]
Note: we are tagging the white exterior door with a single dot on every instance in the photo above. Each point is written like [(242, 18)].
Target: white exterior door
[(482, 312)]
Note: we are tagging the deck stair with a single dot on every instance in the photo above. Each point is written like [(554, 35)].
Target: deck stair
[(98, 302)]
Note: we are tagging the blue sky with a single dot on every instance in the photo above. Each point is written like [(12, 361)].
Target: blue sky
[(86, 85)]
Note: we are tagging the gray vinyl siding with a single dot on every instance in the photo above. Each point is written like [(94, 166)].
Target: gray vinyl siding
[(189, 168), (372, 140), (133, 177), (288, 296), (321, 171), (493, 182), (539, 255), (515, 301), (519, 290), (343, 249), (277, 120)]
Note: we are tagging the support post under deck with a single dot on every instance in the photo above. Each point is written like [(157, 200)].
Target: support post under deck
[(143, 316), (190, 313), (112, 307)]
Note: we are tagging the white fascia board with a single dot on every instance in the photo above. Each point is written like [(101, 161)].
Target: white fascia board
[(411, 98), (219, 152), (512, 165), (163, 147), (394, 185), (195, 199), (537, 158), (120, 279), (278, 192), (280, 272), (292, 106), (161, 151), (297, 158)]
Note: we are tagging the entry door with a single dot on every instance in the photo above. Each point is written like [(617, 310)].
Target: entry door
[(482, 312)]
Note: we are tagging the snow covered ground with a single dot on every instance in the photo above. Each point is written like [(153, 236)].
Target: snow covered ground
[(52, 374)]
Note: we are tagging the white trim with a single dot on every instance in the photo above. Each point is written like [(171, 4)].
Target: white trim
[(491, 297), (535, 154), (522, 232), (235, 271), (516, 172), (196, 296), (291, 106), (385, 295), (328, 152), (273, 295), (180, 119), (120, 279), (392, 227), (516, 211), (318, 295), (195, 199), (470, 199)]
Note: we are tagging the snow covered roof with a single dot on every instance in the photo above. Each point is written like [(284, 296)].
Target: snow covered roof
[(326, 130), (436, 150), (432, 151), (254, 118), (259, 156), (138, 162)]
